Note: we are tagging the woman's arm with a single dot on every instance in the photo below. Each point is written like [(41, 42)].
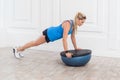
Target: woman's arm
[(73, 39), (66, 28)]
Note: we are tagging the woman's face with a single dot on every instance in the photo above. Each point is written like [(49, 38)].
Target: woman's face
[(80, 22)]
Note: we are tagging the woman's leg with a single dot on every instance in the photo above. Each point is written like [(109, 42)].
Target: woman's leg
[(37, 42)]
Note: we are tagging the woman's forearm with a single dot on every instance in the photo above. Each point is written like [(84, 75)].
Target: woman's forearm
[(74, 42), (65, 45)]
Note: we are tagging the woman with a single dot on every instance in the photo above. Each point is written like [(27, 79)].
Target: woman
[(54, 33)]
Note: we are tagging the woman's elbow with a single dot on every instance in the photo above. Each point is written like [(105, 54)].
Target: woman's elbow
[(72, 37), (64, 39)]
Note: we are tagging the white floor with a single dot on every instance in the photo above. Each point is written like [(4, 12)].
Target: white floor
[(46, 65)]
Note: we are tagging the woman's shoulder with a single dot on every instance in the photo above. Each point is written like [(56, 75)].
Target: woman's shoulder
[(67, 21)]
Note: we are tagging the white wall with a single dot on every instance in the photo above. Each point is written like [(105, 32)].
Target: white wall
[(23, 20), (2, 28)]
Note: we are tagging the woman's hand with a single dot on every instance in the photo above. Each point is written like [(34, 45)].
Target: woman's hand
[(69, 55), (78, 48)]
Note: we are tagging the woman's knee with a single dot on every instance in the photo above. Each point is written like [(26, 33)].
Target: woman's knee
[(39, 41)]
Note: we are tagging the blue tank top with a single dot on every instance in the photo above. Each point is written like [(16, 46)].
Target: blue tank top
[(56, 32)]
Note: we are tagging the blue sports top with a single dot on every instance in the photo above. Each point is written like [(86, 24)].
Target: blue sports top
[(56, 32)]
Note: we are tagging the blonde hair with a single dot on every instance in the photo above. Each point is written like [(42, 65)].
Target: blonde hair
[(79, 16)]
